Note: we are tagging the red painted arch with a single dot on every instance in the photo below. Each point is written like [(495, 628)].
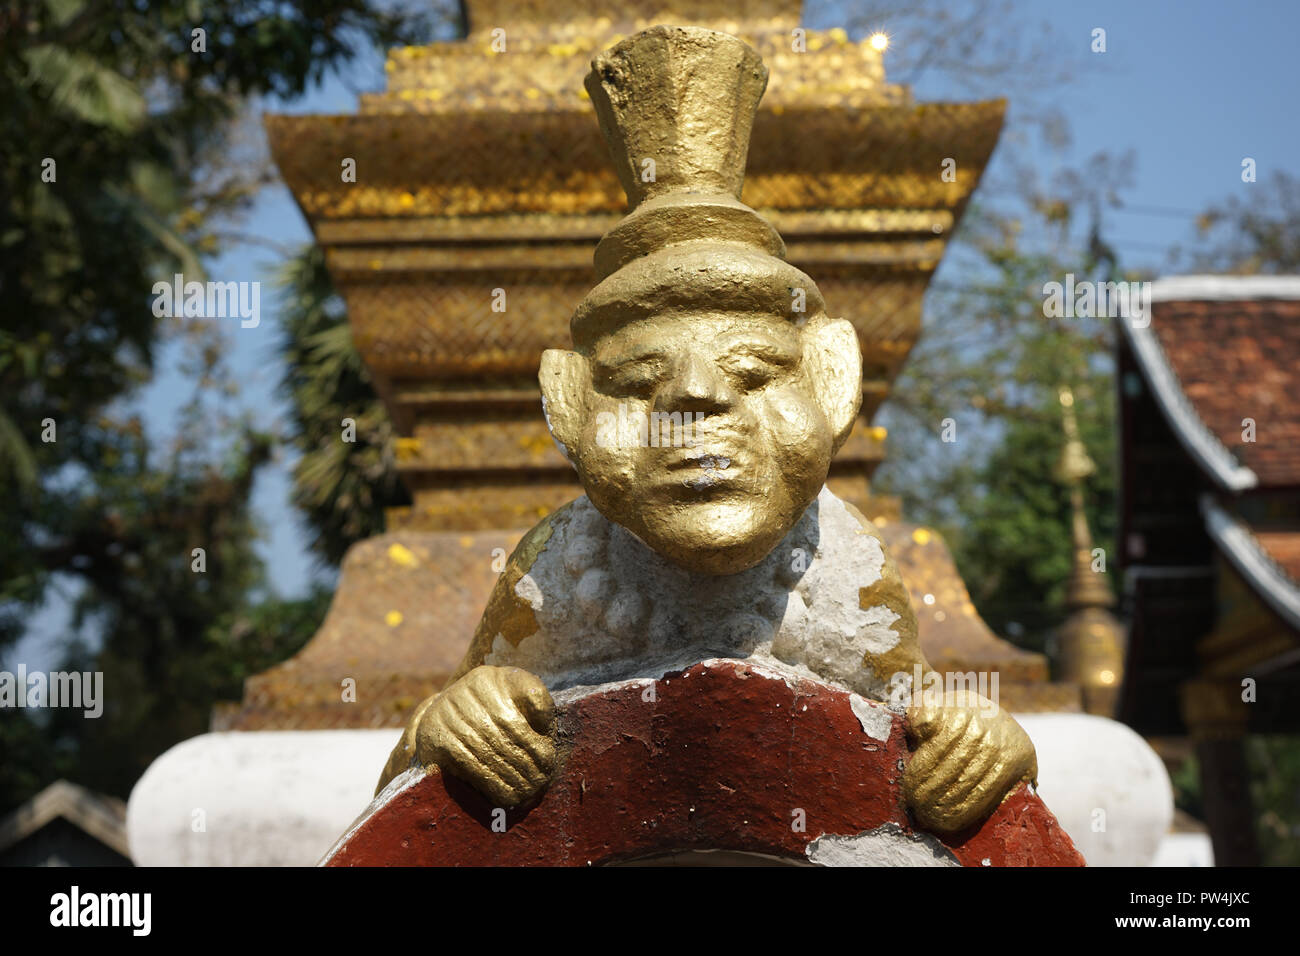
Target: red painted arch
[(722, 756)]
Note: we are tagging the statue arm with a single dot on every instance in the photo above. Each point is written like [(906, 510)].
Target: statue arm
[(400, 759), (968, 753), (890, 591), (510, 697)]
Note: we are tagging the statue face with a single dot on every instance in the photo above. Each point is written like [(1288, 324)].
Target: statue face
[(706, 435)]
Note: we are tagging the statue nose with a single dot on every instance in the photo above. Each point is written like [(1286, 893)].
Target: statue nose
[(699, 386)]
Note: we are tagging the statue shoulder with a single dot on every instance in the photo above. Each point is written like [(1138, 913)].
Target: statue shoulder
[(857, 530), (890, 588), (887, 590), (865, 526), (509, 614)]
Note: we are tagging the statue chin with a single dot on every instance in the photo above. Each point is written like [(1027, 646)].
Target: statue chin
[(712, 538)]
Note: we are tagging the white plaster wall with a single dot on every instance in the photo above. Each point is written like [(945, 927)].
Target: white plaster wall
[(1185, 849), (1088, 764), (269, 798)]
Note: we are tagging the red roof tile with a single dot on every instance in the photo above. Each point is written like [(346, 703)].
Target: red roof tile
[(1240, 359)]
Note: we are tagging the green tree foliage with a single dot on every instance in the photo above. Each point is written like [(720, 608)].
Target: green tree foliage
[(1275, 791), (170, 579), (1015, 546), (120, 169), (342, 487), (1260, 234), (991, 362)]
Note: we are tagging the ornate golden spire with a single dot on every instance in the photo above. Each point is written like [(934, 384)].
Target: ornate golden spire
[(1090, 649)]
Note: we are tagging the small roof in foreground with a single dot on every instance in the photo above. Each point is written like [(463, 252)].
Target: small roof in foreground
[(103, 817)]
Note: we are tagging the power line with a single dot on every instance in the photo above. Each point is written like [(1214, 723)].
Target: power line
[(1166, 211)]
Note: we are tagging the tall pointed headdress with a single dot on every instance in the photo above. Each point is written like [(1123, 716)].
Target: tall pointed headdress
[(676, 106)]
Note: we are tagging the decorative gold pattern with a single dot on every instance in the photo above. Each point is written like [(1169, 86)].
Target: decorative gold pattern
[(1213, 708)]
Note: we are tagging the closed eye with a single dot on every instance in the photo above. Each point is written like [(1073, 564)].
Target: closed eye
[(634, 376), (753, 364)]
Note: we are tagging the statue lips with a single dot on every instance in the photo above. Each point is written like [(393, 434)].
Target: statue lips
[(702, 470), (713, 461)]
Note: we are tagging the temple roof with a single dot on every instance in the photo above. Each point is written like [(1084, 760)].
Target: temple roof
[(1282, 548), (102, 817), (1210, 524), (1218, 350)]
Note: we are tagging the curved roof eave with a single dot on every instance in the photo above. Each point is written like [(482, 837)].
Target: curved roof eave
[(1194, 435), (1239, 546)]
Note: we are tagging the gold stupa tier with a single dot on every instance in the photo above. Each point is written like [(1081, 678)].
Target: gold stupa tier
[(482, 186), (558, 41)]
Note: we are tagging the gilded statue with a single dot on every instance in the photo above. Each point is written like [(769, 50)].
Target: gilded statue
[(703, 398)]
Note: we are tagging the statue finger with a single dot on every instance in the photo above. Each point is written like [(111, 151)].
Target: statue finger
[(481, 737), (460, 761), (531, 697)]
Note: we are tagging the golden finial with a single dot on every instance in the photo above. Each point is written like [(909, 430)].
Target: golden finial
[(1090, 649)]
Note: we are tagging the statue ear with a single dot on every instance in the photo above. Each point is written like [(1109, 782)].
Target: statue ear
[(565, 379), (834, 361)]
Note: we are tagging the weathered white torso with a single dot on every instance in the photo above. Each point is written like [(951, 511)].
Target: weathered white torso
[(608, 608)]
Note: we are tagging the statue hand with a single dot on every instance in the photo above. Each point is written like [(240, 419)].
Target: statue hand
[(492, 729), (969, 755)]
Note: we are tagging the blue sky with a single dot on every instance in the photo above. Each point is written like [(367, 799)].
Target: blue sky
[(1192, 87)]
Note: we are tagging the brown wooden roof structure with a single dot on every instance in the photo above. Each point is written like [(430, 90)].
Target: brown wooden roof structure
[(1210, 528)]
